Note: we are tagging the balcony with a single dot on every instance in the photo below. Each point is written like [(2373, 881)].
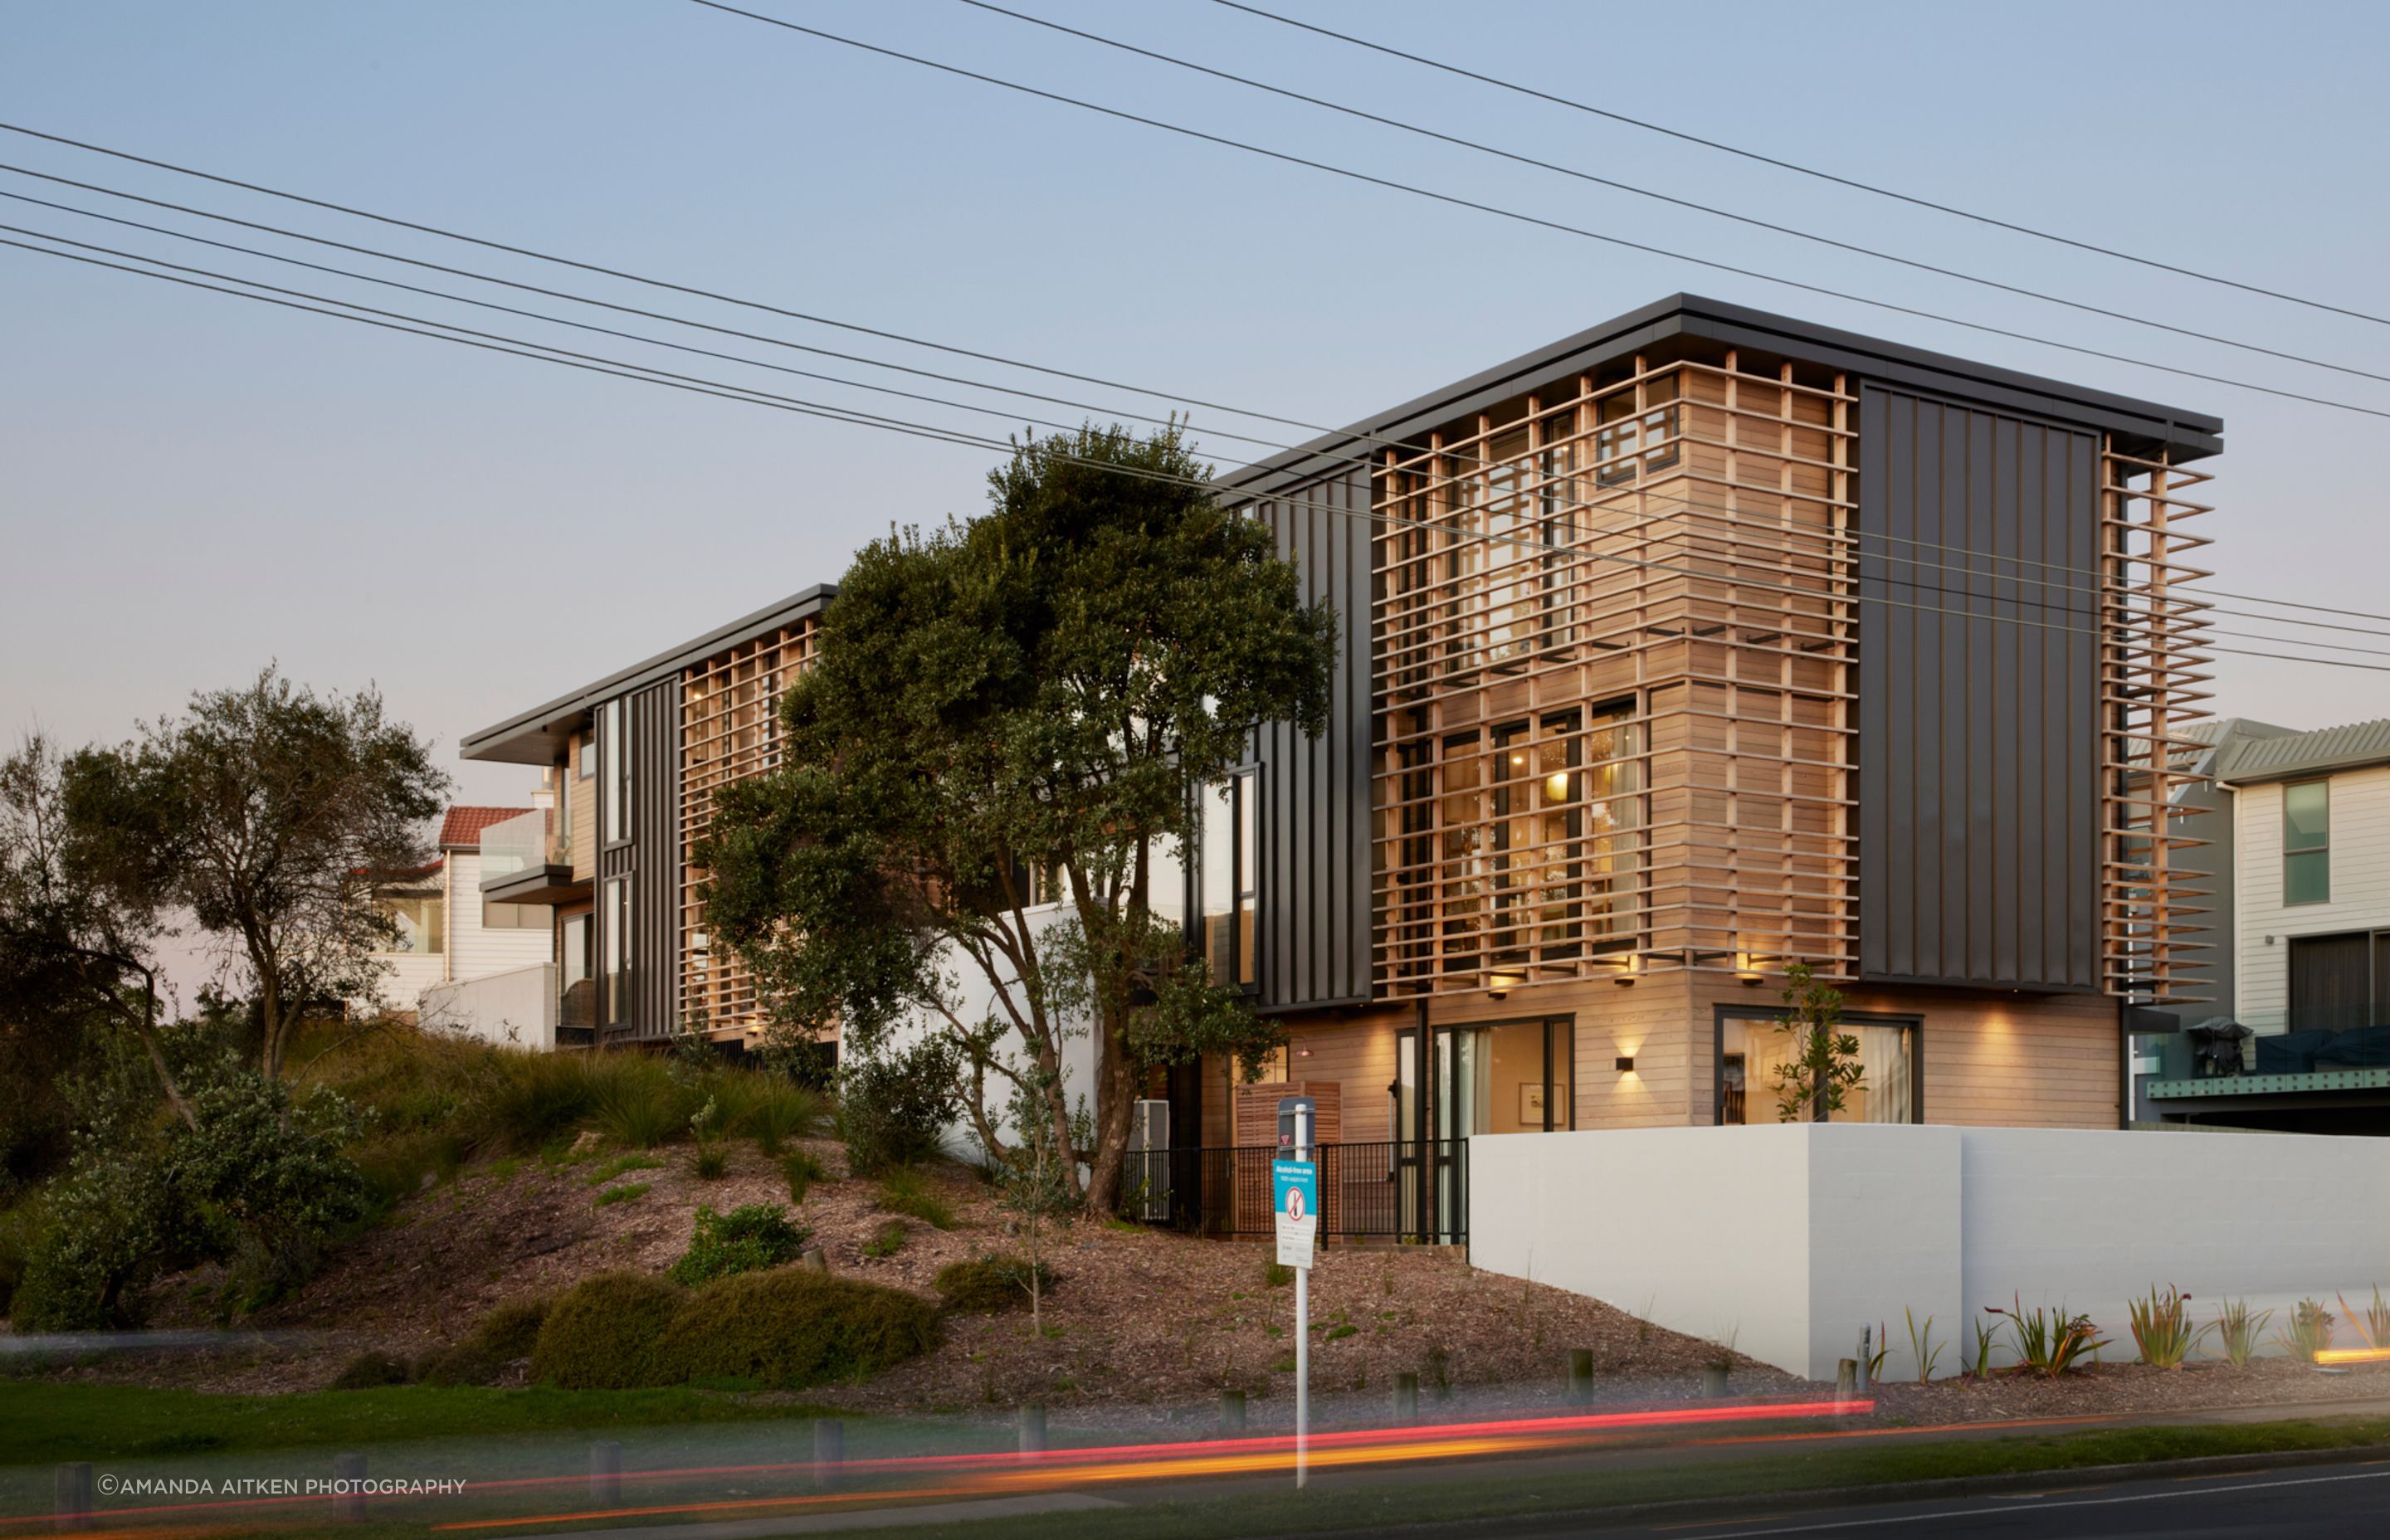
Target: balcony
[(524, 861), (2305, 1051)]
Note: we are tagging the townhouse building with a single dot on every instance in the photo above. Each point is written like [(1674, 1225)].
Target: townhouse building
[(1697, 645)]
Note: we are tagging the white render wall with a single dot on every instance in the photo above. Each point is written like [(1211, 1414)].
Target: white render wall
[(517, 1008), (473, 952), (1791, 1238), (2360, 883)]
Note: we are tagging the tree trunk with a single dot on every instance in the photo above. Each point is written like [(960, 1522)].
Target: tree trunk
[(1115, 1097)]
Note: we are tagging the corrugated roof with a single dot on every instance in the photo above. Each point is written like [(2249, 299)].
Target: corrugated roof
[(2251, 758)]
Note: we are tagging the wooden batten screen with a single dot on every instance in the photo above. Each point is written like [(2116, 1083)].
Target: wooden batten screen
[(730, 729), (1255, 1128), (2153, 664), (1613, 636)]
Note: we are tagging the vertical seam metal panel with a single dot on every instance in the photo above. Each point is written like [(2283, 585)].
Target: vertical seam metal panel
[(1978, 852)]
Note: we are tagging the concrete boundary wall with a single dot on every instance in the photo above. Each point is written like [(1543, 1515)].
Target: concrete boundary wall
[(1790, 1237)]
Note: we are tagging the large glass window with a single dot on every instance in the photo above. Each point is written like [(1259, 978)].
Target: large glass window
[(578, 1006), (616, 983), (420, 921), (514, 916), (2307, 842), (1751, 1049), (614, 755), (1228, 879)]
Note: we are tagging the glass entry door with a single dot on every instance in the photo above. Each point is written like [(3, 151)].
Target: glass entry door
[(1495, 1077)]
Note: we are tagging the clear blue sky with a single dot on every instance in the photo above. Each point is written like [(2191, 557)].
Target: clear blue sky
[(192, 485)]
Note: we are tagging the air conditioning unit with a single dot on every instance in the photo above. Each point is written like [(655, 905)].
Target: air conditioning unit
[(1146, 1191)]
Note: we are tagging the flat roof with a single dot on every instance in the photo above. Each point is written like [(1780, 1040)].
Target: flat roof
[(537, 736), (2191, 435)]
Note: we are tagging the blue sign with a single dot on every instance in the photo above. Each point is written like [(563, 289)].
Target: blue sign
[(1295, 1187)]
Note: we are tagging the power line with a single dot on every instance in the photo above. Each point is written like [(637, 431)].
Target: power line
[(1328, 456), (1852, 182), (1354, 461), (1455, 201), (1580, 174), (543, 352)]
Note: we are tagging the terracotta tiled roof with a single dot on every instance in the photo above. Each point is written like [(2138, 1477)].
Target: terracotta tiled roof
[(464, 825)]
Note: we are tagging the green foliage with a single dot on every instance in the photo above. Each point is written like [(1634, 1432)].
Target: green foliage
[(2372, 1322), (20, 1230), (887, 1240), (711, 1163), (985, 1284), (1275, 1275), (778, 1111), (1824, 1062), (749, 1238), (803, 1169), (370, 1371), (894, 1108), (1044, 689), (262, 814), (629, 1192), (608, 1170), (794, 1326), (2162, 1327), (2238, 1330), (2048, 1341), (254, 1182), (507, 1333), (606, 1333), (642, 1109), (2309, 1333), (1922, 1345), (908, 1190)]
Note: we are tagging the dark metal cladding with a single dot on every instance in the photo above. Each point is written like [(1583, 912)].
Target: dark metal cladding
[(1316, 792), (651, 858), (1979, 728)]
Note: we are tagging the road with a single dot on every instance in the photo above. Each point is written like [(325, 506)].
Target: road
[(2305, 1501)]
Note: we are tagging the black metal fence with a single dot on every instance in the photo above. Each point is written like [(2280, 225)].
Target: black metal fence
[(1395, 1189)]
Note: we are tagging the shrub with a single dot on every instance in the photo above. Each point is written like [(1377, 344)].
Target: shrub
[(2372, 1321), (907, 1191), (984, 1284), (628, 1192), (605, 1334), (2162, 1327), (370, 1371), (518, 1102), (506, 1334), (2309, 1333), (794, 1326), (748, 1238), (893, 1109), (2237, 1329), (887, 1240), (1275, 1275), (803, 1170), (2048, 1341), (20, 1230), (711, 1163), (779, 1112)]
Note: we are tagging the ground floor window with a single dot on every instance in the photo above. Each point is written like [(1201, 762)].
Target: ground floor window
[(416, 920), (1751, 1049), (1503, 1077)]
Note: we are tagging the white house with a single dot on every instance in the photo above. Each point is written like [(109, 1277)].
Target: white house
[(449, 937), (2296, 1033)]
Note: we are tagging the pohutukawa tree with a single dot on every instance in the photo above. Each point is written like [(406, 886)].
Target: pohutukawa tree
[(1044, 689), (265, 814)]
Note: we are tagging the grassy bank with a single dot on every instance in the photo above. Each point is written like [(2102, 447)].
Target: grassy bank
[(42, 1423)]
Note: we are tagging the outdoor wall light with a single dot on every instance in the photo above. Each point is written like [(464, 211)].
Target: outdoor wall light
[(1625, 1063), (1499, 984), (1625, 978)]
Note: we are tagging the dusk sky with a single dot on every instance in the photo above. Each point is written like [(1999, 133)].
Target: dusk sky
[(191, 485)]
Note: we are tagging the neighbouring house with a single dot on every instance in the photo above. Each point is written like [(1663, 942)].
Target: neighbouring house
[(449, 936), (1688, 648), (2292, 1027)]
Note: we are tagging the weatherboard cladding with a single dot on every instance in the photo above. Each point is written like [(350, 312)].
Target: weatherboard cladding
[(1979, 730)]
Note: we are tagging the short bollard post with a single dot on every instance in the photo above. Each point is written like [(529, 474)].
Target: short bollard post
[(1406, 1396), (1232, 1411), (1714, 1383), (605, 1471), (1846, 1380), (1033, 1428), (1580, 1376), (349, 1488), (71, 1488), (829, 1449)]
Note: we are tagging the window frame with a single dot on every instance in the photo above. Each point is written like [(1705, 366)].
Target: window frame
[(2322, 849), (615, 960), (1722, 1012), (1246, 863)]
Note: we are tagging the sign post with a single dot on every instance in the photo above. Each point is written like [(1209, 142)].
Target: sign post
[(1294, 1188)]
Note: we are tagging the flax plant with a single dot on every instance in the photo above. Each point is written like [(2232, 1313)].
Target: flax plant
[(2237, 1328), (2372, 1322), (2162, 1327)]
